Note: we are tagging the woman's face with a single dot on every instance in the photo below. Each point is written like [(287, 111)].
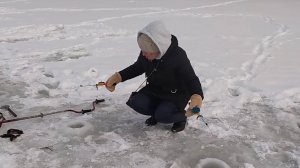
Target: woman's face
[(150, 55)]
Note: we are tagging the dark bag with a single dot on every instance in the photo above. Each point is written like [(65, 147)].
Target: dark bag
[(129, 101)]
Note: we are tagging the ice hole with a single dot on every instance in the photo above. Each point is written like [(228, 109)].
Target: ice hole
[(212, 163), (44, 93), (76, 125), (79, 128), (298, 124), (234, 92)]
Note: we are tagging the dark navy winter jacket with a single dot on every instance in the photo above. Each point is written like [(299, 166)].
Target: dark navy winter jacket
[(173, 78)]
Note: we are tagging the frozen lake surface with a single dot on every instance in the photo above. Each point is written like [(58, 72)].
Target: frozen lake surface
[(245, 53)]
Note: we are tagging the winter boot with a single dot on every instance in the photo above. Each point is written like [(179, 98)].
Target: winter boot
[(150, 121), (178, 126)]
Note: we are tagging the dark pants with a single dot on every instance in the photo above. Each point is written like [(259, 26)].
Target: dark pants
[(163, 111)]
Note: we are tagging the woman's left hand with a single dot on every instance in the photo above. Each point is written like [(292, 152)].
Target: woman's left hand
[(195, 104)]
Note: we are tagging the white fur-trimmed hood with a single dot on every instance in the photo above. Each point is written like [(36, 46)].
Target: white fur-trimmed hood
[(157, 31)]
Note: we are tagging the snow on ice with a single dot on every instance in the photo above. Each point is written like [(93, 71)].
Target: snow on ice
[(245, 53)]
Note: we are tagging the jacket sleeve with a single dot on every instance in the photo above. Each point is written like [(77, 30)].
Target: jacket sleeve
[(188, 75), (133, 70)]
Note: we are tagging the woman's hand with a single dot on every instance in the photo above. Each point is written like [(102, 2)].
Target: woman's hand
[(113, 81), (195, 105)]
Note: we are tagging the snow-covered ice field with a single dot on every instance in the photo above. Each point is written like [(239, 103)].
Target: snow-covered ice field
[(245, 52)]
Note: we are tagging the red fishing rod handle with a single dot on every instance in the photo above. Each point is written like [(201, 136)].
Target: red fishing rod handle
[(103, 84)]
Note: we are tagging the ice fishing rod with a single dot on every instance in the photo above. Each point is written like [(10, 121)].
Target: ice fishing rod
[(97, 85), (196, 110), (41, 115)]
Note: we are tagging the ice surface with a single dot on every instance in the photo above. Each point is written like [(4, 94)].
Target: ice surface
[(245, 53)]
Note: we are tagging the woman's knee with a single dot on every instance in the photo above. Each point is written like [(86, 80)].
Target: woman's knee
[(141, 103), (165, 112)]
